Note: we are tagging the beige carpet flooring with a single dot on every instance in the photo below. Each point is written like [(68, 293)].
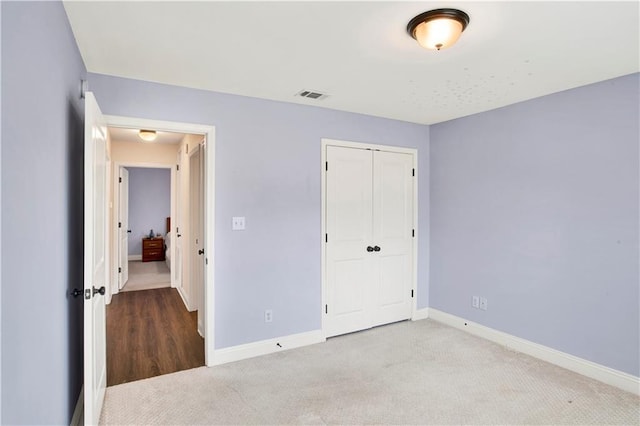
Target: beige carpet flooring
[(418, 372), (147, 276)]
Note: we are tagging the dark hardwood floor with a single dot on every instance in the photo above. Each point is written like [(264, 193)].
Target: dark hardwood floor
[(150, 333)]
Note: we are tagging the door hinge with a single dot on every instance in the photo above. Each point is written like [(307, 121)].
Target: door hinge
[(326, 165), (413, 172), (119, 270), (119, 180), (178, 167), (326, 309), (326, 238), (412, 293), (206, 260), (119, 224), (413, 233)]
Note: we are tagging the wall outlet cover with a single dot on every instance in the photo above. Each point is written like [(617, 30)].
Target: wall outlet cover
[(237, 223), (483, 303)]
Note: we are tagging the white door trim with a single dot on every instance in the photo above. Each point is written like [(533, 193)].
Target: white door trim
[(209, 132), (348, 144)]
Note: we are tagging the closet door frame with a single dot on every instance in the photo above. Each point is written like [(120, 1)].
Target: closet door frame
[(414, 251)]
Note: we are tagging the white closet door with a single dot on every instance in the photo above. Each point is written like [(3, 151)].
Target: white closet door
[(349, 225), (392, 235), (369, 248)]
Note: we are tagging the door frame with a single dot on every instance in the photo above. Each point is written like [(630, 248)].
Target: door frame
[(113, 284), (323, 182), (209, 208)]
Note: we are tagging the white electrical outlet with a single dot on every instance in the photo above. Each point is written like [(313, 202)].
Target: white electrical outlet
[(483, 303), (475, 302), (268, 315), (237, 223)]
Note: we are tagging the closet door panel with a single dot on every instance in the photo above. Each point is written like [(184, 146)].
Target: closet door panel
[(392, 232), (349, 230)]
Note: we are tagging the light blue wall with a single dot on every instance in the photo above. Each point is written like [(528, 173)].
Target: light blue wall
[(535, 206), (149, 204), (42, 174), (268, 170)]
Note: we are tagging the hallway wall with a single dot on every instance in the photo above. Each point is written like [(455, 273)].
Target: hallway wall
[(149, 204)]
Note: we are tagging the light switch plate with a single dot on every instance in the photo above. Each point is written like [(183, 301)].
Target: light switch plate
[(237, 223)]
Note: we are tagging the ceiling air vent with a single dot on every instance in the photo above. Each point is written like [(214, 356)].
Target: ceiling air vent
[(311, 94)]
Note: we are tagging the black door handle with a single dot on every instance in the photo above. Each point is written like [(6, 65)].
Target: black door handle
[(201, 251), (76, 292), (179, 235), (376, 248), (370, 249), (128, 231), (100, 290)]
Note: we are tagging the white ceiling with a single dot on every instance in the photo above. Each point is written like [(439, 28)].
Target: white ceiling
[(131, 135), (359, 52)]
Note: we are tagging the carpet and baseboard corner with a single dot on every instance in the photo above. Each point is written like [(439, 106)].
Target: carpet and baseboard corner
[(610, 376)]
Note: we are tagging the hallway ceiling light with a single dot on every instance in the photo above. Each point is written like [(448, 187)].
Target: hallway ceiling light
[(147, 135), (438, 29)]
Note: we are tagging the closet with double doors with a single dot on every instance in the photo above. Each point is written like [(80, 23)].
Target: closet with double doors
[(369, 236)]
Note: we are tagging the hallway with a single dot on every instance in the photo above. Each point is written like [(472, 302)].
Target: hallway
[(147, 276), (150, 333)]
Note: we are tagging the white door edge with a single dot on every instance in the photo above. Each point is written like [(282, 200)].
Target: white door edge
[(324, 143), (209, 132)]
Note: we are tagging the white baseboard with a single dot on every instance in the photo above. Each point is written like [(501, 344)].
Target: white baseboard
[(420, 314), (135, 257), (184, 298), (582, 366), (264, 347), (78, 412)]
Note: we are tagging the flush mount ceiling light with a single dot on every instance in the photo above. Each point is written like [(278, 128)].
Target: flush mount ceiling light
[(147, 135), (438, 29)]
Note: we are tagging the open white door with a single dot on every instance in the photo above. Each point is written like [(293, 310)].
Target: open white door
[(123, 226), (176, 226), (95, 242), (201, 216), (196, 228)]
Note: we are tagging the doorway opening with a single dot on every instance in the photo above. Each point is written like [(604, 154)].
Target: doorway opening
[(144, 228), (154, 301)]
